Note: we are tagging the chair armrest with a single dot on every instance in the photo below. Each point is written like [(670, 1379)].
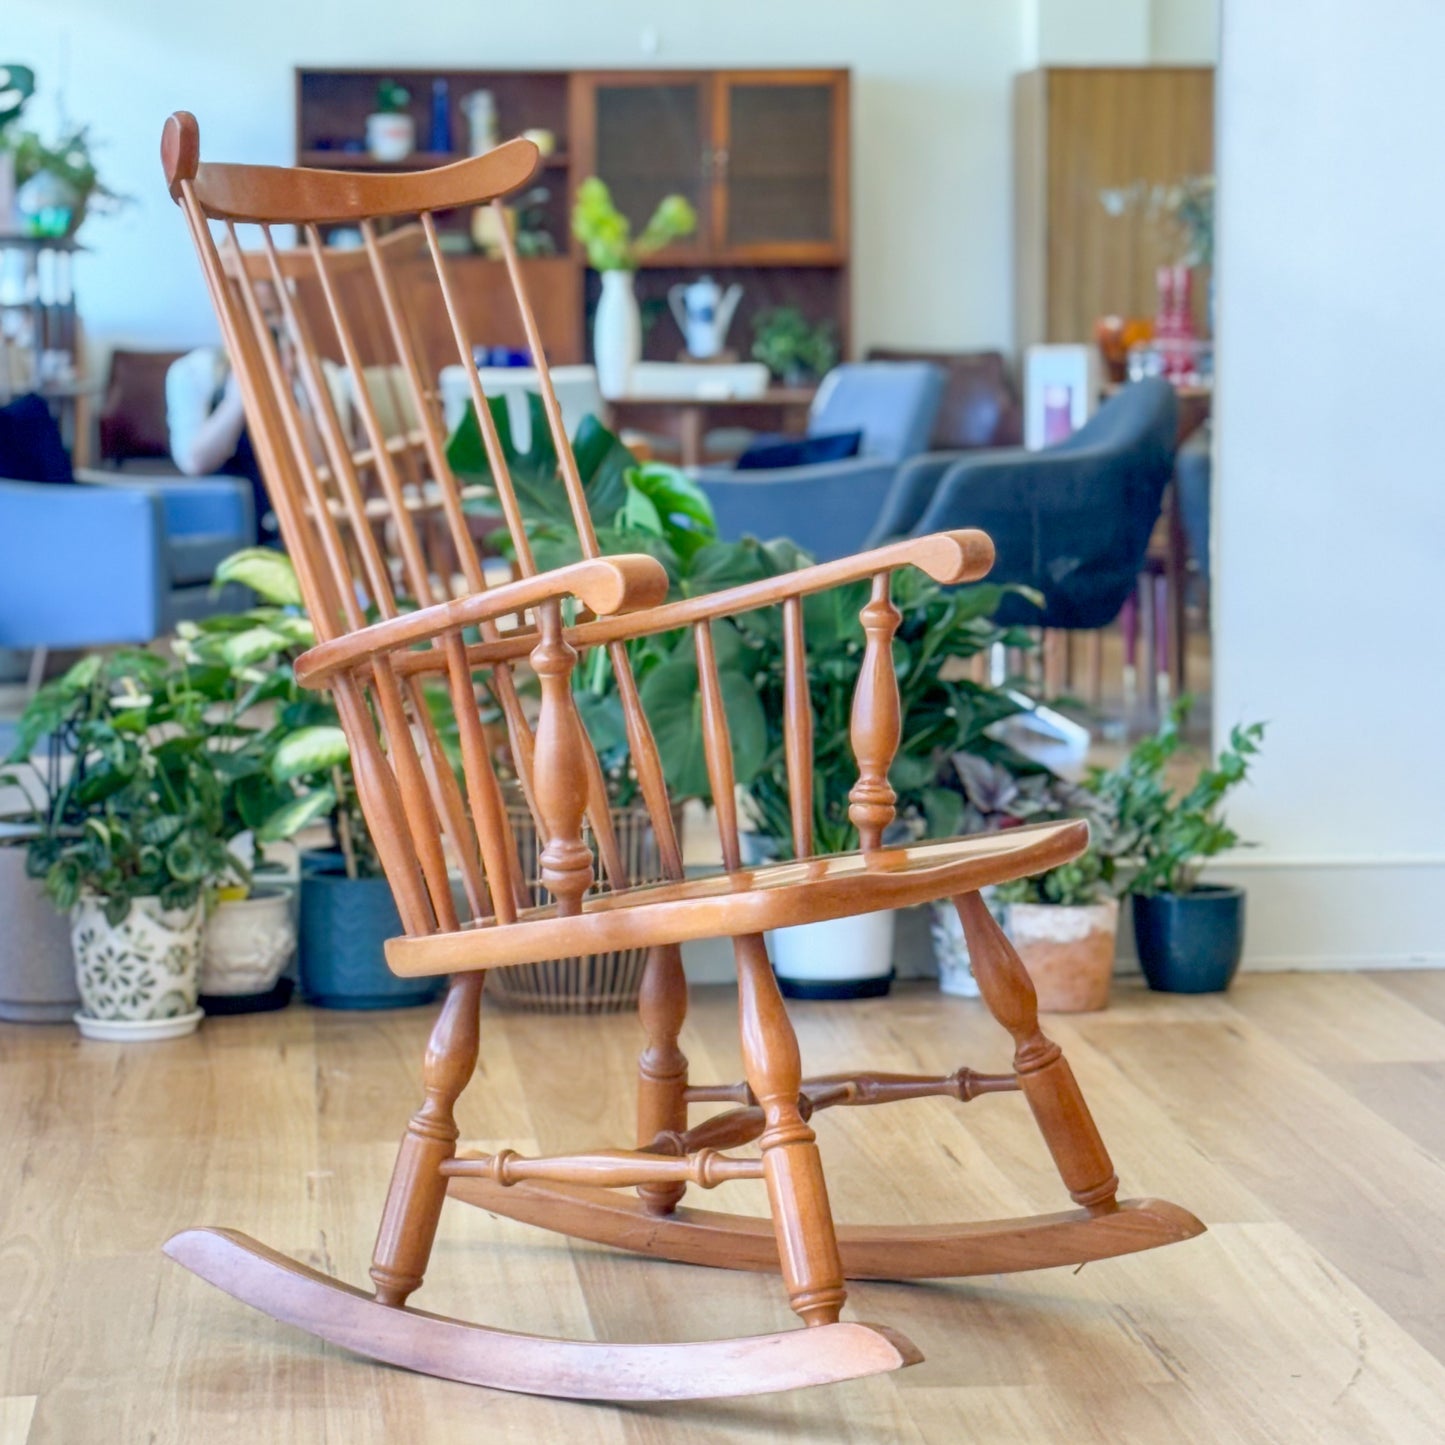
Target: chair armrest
[(193, 506), (947, 557), (80, 566), (603, 585)]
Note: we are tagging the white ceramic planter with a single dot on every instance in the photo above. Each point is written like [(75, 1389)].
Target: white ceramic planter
[(390, 136), (143, 970), (1068, 951), (616, 334), (837, 958), (247, 943), (950, 951)]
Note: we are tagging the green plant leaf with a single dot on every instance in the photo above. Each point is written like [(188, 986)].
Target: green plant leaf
[(266, 572), (672, 700), (291, 817), (310, 750)]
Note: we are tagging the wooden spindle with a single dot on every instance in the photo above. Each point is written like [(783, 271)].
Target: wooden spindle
[(1043, 1072), (560, 779), (717, 744), (877, 722), (798, 727)]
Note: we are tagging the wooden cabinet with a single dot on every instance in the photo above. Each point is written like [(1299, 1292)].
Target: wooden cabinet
[(1077, 132), (763, 156)]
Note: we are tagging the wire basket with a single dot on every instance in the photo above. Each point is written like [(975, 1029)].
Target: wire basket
[(595, 983)]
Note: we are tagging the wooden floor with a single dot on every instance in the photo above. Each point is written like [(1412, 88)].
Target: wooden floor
[(1303, 1117)]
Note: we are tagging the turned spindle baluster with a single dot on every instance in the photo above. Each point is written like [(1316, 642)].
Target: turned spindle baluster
[(560, 776), (877, 719)]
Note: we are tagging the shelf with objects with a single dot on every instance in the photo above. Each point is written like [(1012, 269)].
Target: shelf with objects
[(773, 217)]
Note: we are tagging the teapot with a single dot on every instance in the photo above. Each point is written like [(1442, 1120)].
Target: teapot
[(704, 311)]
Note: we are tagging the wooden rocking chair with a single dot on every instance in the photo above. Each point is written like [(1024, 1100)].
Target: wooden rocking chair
[(355, 513)]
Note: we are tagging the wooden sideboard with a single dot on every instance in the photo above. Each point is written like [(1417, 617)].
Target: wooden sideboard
[(763, 156), (1078, 131)]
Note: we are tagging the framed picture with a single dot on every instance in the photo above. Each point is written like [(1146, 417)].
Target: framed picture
[(1061, 390)]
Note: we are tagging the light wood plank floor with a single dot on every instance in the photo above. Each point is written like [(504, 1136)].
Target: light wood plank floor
[(1303, 1117)]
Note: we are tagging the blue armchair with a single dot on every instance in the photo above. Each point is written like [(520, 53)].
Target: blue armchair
[(829, 508), (1072, 521), (115, 558)]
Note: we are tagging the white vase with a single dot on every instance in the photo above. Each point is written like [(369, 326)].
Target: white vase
[(390, 135), (144, 968), (835, 958), (247, 942), (616, 334), (950, 951)]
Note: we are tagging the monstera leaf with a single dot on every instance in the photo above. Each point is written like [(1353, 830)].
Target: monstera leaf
[(17, 85)]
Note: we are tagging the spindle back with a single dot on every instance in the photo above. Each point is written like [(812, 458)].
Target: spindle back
[(342, 404)]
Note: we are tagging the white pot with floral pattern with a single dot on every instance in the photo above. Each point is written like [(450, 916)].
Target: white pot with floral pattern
[(139, 977)]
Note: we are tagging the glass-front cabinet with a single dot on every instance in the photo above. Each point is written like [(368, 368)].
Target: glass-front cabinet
[(762, 155)]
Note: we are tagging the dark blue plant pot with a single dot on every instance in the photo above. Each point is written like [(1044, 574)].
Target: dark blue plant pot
[(1190, 942), (344, 923)]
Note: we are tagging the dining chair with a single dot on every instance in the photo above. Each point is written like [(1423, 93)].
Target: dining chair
[(391, 629)]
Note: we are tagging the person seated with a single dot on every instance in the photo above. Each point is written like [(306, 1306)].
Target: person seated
[(207, 428)]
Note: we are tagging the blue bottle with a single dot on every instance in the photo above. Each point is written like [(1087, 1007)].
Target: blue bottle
[(441, 118)]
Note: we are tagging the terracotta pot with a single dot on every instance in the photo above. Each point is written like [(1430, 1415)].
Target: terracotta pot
[(1068, 951)]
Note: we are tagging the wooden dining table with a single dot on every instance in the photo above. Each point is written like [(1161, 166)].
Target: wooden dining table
[(688, 419)]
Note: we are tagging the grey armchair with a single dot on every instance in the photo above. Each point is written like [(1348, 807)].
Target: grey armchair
[(1072, 521), (829, 508)]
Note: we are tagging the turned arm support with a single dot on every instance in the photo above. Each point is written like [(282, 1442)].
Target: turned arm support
[(947, 557), (604, 585)]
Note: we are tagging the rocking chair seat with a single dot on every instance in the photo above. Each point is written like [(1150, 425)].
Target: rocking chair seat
[(748, 900)]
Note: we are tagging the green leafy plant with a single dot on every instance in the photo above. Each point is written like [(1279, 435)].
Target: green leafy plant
[(790, 347), (392, 98), (127, 799), (287, 764), (607, 233), (17, 85), (1169, 835), (658, 510)]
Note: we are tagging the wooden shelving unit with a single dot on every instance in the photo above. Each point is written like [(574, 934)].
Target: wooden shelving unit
[(762, 155)]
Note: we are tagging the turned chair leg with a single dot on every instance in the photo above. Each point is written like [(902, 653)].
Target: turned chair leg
[(1044, 1074), (662, 1066), (797, 1193), (418, 1188)]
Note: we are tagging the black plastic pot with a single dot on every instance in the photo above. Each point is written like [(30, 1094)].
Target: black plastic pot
[(344, 923), (1190, 942)]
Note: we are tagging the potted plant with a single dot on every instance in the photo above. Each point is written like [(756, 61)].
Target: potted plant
[(52, 186), (607, 236), (997, 792), (295, 772), (1190, 935), (793, 350), (128, 836), (390, 129)]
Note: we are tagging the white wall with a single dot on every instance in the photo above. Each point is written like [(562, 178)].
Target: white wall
[(931, 121), (932, 155), (1330, 502)]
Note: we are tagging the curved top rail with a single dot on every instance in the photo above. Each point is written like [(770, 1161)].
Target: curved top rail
[(285, 195)]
